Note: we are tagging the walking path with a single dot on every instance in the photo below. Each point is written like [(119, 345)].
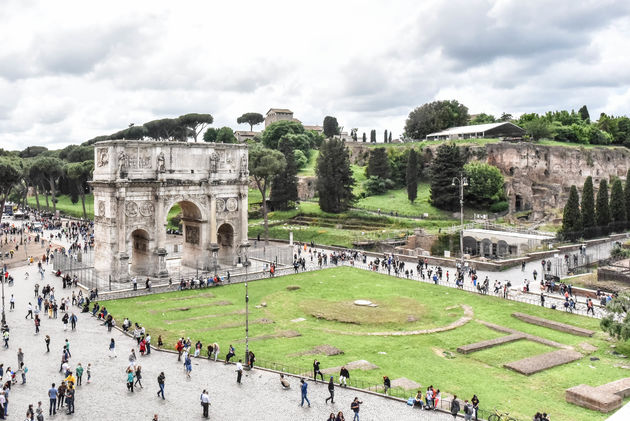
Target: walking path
[(260, 397)]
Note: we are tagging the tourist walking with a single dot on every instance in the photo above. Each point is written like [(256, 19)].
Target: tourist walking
[(130, 379), (188, 366), (161, 378), (29, 311), (239, 371), (316, 370), (304, 389), (355, 406), (139, 376), (52, 396), (37, 323), (387, 384), (205, 402), (112, 349), (343, 376), (475, 404), (331, 390), (47, 340), (79, 372), (455, 407)]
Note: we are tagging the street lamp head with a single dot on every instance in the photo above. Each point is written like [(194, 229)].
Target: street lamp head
[(464, 181), (453, 182)]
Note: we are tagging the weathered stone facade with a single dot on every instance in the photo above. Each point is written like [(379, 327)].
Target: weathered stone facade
[(135, 185)]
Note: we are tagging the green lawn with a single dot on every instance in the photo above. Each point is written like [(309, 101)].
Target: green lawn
[(324, 299), (65, 205), (396, 201), (309, 169)]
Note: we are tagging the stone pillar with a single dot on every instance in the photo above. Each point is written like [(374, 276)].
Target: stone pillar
[(213, 220), (243, 209), (160, 224)]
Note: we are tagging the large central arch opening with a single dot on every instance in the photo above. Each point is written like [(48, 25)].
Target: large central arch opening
[(225, 239), (185, 236)]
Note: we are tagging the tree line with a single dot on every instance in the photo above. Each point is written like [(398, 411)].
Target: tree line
[(592, 217)]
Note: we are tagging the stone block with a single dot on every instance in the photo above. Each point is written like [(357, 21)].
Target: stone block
[(551, 324), (619, 387), (591, 398), (531, 365), (478, 346)]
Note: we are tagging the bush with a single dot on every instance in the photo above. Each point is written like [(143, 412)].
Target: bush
[(377, 185), (499, 207), (619, 253)]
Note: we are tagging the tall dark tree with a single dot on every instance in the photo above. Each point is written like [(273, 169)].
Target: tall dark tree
[(571, 218), (602, 209), (412, 175), (617, 206), (364, 137), (51, 169), (195, 123), (264, 165), (251, 118), (435, 116), (169, 129), (373, 136), (626, 196), (80, 173), (334, 176), (10, 176), (447, 164), (385, 136), (588, 208), (584, 115), (378, 164), (284, 185), (390, 138), (331, 127)]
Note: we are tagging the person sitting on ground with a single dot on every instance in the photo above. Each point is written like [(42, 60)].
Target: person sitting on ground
[(284, 382), (417, 401)]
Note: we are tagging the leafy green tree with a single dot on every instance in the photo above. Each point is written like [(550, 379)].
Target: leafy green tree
[(167, 129), (602, 210), (334, 176), (195, 123), (331, 127), (435, 116), (252, 119), (364, 137), (10, 176), (378, 164), (32, 151), (505, 117), (616, 322), (584, 115), (131, 133), (225, 135), (284, 185), (447, 164), (588, 208), (264, 165), (571, 218), (626, 198), (79, 154), (485, 183), (277, 130), (483, 118), (412, 176), (538, 129), (300, 159), (210, 135), (80, 173), (373, 136), (51, 169), (377, 185), (617, 206)]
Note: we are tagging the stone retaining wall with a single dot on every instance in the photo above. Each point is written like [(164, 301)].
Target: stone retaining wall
[(538, 363), (551, 324), (478, 346), (604, 398)]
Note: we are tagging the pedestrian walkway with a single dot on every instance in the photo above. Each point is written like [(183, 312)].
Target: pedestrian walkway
[(260, 397)]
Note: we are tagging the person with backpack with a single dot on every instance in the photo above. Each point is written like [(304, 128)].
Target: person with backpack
[(331, 390), (455, 407), (475, 404), (468, 410), (160, 381), (355, 406)]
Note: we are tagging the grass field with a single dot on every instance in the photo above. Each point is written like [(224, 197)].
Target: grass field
[(396, 201), (324, 299), (65, 205)]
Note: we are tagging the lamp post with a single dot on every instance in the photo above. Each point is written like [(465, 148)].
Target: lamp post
[(246, 319), (462, 181), (4, 319)]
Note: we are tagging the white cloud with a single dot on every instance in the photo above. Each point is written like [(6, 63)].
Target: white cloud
[(73, 70)]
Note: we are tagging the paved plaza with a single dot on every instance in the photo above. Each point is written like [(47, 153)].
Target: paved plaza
[(260, 397)]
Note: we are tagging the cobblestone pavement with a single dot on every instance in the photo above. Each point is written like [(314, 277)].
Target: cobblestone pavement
[(260, 397)]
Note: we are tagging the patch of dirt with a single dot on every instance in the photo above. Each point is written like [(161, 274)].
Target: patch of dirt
[(213, 304), (443, 353), (205, 316), (327, 350), (236, 324), (411, 319), (292, 287), (406, 384), (354, 365)]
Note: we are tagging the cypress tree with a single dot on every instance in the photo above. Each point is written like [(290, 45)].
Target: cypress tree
[(364, 137), (378, 164), (588, 208), (284, 185), (571, 218), (334, 176), (390, 138), (617, 206), (412, 175), (385, 136), (626, 195), (447, 164), (373, 136), (602, 210)]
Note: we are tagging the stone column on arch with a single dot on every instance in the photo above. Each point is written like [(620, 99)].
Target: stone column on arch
[(213, 220)]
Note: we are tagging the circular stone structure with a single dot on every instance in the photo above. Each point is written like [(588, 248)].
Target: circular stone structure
[(365, 303)]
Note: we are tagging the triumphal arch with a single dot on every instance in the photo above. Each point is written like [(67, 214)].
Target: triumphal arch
[(135, 184)]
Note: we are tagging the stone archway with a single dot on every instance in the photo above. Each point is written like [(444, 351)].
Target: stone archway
[(141, 260), (135, 184), (225, 240)]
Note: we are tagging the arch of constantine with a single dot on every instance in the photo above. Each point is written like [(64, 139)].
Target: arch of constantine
[(135, 185)]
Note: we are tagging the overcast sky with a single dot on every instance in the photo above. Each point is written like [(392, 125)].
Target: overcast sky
[(70, 70)]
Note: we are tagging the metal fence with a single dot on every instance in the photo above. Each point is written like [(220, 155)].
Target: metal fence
[(282, 255)]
